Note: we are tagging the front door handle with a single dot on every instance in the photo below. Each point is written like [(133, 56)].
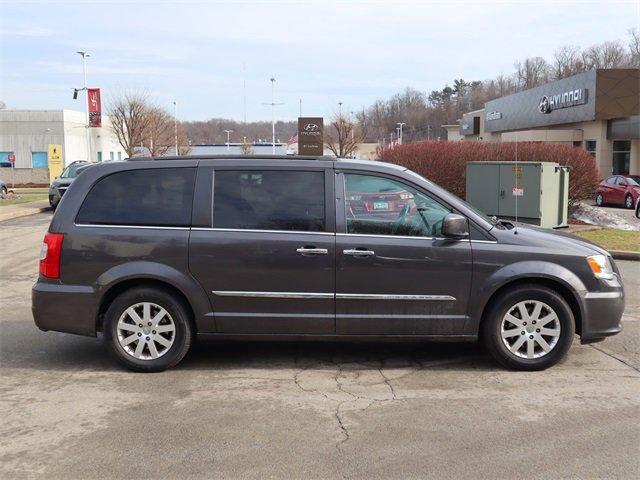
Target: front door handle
[(312, 251), (359, 252)]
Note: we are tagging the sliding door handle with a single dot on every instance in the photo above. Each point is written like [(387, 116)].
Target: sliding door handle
[(359, 253), (312, 251)]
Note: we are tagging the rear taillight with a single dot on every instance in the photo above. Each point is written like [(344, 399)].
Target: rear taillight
[(50, 255)]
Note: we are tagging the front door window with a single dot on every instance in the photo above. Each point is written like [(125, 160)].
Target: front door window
[(381, 206)]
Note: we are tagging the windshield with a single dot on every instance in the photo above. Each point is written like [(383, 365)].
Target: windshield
[(634, 180), (491, 220), (71, 171)]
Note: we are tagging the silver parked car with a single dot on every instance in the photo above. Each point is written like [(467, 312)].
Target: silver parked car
[(60, 185)]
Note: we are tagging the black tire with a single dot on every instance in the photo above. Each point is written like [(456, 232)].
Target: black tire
[(492, 328), (179, 314), (599, 201), (628, 201)]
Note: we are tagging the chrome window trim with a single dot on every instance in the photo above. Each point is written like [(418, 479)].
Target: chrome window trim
[(376, 296), (386, 236), (249, 230), (342, 296), (146, 227), (484, 241)]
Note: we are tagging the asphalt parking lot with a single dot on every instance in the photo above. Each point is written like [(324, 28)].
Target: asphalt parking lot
[(306, 410)]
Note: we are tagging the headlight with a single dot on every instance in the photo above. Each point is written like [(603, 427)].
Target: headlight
[(600, 266)]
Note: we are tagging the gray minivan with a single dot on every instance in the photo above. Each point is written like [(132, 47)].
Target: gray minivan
[(153, 252)]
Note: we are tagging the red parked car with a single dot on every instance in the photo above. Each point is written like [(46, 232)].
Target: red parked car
[(619, 190)]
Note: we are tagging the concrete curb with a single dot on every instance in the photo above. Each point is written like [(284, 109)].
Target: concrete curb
[(624, 255), (22, 213)]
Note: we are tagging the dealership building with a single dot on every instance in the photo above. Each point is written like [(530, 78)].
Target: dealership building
[(598, 110), (25, 136)]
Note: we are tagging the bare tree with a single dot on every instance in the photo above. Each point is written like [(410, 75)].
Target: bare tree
[(246, 148), (130, 120), (567, 61), (532, 72), (343, 137), (159, 134), (2, 105), (634, 48), (604, 55)]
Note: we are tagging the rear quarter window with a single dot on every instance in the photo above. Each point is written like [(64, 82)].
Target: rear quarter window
[(147, 197)]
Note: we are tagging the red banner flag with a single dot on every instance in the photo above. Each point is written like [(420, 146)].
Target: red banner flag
[(95, 110)]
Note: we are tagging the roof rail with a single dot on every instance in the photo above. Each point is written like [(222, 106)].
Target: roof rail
[(236, 157)]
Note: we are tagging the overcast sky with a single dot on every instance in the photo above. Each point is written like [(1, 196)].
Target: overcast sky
[(322, 51)]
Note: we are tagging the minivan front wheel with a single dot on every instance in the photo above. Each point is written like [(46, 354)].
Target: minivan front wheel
[(148, 329), (529, 328)]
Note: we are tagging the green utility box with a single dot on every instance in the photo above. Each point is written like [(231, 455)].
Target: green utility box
[(535, 192)]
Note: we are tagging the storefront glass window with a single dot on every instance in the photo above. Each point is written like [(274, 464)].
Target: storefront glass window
[(621, 157)]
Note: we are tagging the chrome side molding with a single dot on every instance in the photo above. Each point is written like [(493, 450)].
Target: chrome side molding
[(342, 296)]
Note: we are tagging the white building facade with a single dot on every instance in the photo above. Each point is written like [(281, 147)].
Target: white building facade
[(27, 134)]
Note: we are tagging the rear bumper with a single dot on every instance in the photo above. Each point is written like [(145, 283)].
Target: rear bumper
[(64, 308), (602, 315)]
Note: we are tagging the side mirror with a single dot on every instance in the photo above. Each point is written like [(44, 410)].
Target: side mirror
[(455, 226)]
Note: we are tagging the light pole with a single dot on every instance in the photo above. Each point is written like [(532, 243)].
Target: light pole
[(340, 109), (84, 56), (228, 132), (175, 124), (401, 124), (273, 114), (244, 91)]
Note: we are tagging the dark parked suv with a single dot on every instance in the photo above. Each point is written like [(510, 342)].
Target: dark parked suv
[(154, 252)]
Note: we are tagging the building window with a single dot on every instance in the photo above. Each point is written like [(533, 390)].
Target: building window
[(590, 146), (119, 155), (39, 160), (99, 156), (112, 156), (4, 159), (621, 157)]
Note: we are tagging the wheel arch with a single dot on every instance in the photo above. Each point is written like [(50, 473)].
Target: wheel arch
[(558, 286), (115, 290), (119, 279)]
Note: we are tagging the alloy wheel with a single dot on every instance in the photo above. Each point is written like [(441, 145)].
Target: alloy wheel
[(146, 331), (530, 329), (628, 201)]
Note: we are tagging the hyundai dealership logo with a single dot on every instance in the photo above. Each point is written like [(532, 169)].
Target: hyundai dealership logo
[(311, 127), (548, 103), (544, 106)]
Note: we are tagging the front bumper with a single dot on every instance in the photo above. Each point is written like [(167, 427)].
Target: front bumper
[(55, 195), (601, 314), (64, 308)]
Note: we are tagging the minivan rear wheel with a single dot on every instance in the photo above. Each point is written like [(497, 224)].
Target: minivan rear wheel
[(530, 327), (148, 329)]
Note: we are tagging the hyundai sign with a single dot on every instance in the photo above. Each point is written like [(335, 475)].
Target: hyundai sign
[(310, 136)]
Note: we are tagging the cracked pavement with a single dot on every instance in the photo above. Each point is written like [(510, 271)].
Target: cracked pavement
[(306, 410)]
